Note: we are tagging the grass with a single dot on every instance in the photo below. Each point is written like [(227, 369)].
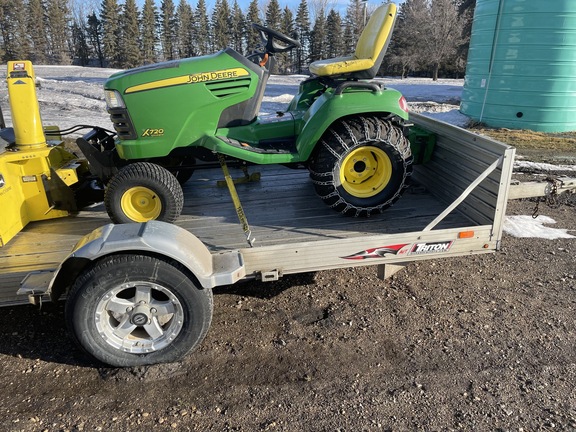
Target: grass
[(557, 147)]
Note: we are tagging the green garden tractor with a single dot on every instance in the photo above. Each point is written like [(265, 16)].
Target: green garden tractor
[(349, 130)]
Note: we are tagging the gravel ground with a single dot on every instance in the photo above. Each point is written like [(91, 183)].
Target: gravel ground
[(481, 343), (469, 344)]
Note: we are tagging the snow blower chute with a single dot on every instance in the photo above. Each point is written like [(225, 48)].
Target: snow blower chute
[(39, 178)]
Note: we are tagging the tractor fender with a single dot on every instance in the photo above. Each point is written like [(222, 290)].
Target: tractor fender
[(330, 107), (154, 238)]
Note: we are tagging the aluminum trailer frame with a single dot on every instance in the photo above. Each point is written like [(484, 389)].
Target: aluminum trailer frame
[(457, 207)]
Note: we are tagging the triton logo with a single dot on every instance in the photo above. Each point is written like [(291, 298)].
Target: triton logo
[(424, 248)]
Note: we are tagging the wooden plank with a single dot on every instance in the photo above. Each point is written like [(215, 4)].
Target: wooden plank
[(538, 189)]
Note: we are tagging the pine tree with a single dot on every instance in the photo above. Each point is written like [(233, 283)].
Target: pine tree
[(302, 26), (94, 34), (80, 45), (14, 44), (335, 46), (167, 29), (202, 28), (148, 32), (110, 18), (286, 60), (253, 42), (22, 47), (354, 24), (58, 16), (221, 24), (130, 47), (238, 28), (185, 29), (318, 39), (37, 31), (466, 11), (273, 15), (5, 30)]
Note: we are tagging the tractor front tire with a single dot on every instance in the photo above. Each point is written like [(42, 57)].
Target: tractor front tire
[(361, 166), (134, 310), (143, 191)]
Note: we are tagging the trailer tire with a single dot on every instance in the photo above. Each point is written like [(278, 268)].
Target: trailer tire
[(143, 191), (361, 165), (133, 310)]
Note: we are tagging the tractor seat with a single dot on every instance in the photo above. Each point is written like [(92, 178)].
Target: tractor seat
[(370, 50)]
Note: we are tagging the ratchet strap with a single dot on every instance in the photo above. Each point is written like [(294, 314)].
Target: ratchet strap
[(236, 200)]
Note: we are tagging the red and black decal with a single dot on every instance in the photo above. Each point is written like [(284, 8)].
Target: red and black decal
[(379, 252)]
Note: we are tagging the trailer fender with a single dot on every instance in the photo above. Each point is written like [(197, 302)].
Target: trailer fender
[(150, 238)]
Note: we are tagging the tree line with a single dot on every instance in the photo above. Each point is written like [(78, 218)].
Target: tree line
[(430, 39)]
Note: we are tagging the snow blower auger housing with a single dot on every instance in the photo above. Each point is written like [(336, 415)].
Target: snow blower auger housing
[(347, 129), (39, 178)]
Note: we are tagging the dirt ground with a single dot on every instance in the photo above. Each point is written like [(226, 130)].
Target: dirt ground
[(483, 343)]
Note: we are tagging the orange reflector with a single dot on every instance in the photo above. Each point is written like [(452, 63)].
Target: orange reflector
[(466, 234)]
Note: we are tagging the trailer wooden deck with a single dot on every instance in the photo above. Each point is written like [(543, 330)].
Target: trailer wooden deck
[(281, 208), (465, 185)]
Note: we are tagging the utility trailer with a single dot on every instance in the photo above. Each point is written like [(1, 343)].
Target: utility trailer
[(141, 293)]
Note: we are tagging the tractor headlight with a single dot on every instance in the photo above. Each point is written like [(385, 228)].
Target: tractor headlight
[(113, 99)]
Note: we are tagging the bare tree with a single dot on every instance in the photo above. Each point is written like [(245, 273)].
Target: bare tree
[(428, 34), (404, 50), (444, 35)]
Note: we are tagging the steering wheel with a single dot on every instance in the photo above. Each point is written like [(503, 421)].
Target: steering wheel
[(275, 42)]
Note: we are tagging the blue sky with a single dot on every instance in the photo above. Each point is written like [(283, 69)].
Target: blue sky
[(293, 4), (339, 5)]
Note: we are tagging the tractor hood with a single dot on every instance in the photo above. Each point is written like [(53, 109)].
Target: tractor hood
[(159, 107)]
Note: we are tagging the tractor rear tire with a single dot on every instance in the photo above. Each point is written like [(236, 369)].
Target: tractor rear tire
[(361, 166), (134, 310), (143, 191)]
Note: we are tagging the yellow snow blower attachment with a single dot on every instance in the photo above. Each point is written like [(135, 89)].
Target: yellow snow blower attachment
[(38, 177)]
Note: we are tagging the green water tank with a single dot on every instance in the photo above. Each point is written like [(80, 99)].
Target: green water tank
[(521, 70)]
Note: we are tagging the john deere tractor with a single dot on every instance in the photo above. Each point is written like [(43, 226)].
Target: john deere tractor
[(346, 128)]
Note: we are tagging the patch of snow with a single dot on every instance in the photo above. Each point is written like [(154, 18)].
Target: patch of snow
[(526, 226), (541, 167)]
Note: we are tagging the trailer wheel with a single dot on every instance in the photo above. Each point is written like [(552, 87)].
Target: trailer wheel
[(143, 191), (361, 166), (132, 310)]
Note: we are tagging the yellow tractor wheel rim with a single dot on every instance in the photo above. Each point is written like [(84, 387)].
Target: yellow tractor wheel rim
[(141, 204), (365, 172)]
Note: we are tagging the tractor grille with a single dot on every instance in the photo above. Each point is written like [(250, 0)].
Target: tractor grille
[(222, 89), (122, 123)]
